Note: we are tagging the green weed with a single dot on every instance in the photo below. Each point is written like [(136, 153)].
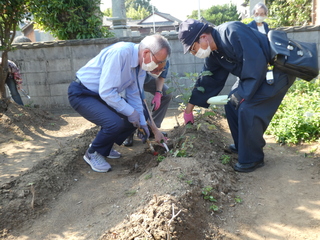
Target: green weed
[(298, 117), (225, 159)]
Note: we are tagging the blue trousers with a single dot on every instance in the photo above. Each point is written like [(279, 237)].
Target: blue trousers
[(115, 127), (249, 122), (11, 83)]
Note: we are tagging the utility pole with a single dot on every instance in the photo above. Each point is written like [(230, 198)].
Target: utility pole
[(199, 9)]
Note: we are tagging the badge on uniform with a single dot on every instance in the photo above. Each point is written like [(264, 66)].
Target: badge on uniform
[(269, 77)]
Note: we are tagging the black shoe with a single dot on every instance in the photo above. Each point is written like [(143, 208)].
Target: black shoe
[(233, 148), (129, 141), (248, 167)]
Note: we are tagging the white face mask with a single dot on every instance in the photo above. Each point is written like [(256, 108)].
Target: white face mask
[(154, 75), (150, 66), (203, 53), (259, 19)]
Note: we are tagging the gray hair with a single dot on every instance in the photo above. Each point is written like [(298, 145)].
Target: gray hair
[(260, 5), (155, 43)]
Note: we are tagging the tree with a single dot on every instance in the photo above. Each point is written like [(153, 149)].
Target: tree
[(141, 13), (12, 13), (107, 12), (218, 14), (139, 3), (70, 19), (290, 12)]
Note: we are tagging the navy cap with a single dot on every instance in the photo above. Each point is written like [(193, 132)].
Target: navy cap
[(189, 31)]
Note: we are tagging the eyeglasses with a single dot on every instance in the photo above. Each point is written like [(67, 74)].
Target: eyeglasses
[(157, 61), (191, 50)]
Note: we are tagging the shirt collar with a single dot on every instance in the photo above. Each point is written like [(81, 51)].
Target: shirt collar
[(135, 57)]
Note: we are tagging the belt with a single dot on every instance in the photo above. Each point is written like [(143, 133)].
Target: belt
[(77, 81)]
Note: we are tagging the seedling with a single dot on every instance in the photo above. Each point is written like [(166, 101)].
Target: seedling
[(149, 176), (181, 176), (214, 207), (237, 199), (160, 158), (206, 194), (131, 193), (225, 159), (190, 182)]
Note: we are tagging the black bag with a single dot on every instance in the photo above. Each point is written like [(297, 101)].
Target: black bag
[(296, 58)]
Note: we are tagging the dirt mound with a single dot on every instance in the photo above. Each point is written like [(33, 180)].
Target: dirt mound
[(175, 195), (20, 122)]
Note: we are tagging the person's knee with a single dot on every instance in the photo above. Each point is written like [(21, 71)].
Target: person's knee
[(116, 127)]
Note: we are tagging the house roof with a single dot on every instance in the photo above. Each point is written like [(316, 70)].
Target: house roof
[(159, 17)]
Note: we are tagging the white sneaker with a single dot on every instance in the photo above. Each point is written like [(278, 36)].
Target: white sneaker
[(97, 162), (114, 154)]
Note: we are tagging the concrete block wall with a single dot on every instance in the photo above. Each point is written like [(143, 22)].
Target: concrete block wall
[(48, 67)]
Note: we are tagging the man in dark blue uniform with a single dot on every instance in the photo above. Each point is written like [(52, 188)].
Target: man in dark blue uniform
[(235, 48)]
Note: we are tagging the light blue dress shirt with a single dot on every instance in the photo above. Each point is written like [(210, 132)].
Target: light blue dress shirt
[(113, 71)]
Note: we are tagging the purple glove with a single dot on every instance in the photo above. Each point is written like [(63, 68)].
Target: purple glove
[(156, 101), (134, 118), (188, 118), (143, 133)]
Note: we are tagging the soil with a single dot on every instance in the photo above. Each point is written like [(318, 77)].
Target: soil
[(191, 193)]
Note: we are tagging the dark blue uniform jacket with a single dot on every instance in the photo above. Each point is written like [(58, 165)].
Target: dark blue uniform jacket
[(253, 25), (242, 51)]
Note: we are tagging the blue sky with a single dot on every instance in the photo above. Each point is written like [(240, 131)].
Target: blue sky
[(178, 8)]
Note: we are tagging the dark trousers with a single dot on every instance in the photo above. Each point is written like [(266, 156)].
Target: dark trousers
[(115, 127), (159, 114), (250, 121), (11, 83)]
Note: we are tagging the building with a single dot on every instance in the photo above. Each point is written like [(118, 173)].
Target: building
[(154, 23)]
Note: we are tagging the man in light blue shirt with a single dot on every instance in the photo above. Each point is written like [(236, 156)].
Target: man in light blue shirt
[(96, 94)]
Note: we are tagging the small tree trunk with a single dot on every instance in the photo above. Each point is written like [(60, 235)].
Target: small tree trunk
[(3, 75)]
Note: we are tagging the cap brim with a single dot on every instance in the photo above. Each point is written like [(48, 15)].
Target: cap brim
[(187, 47)]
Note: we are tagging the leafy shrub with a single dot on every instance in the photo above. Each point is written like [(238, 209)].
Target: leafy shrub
[(298, 117), (182, 87), (81, 19)]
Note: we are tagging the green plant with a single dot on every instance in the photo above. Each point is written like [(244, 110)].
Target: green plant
[(181, 176), (237, 199), (81, 19), (130, 193), (182, 150), (190, 182), (148, 176), (160, 158), (182, 86), (225, 159), (214, 207), (206, 194), (298, 116), (290, 12)]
